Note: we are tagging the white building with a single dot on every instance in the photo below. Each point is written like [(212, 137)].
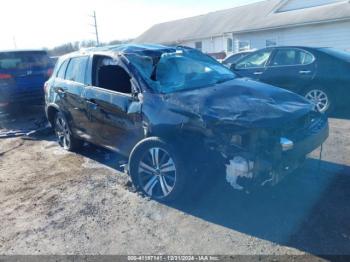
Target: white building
[(316, 23)]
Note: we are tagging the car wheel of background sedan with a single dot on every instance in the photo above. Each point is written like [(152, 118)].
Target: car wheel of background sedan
[(320, 98), (156, 170), (63, 133)]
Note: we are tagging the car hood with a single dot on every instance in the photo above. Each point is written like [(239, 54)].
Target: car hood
[(242, 102)]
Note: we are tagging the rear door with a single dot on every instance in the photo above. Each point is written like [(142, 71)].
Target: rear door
[(69, 86), (254, 65), (290, 68)]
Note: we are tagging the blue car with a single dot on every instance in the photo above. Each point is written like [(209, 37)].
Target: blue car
[(22, 77)]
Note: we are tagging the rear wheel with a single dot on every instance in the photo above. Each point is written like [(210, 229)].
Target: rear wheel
[(156, 170), (321, 99), (64, 135)]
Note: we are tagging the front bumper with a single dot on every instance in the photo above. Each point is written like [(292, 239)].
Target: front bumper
[(270, 163), (305, 142)]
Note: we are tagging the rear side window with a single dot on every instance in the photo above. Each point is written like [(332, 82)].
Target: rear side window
[(286, 57), (62, 71), (76, 69), (24, 60)]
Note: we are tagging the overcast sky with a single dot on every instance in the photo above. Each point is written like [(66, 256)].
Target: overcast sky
[(47, 23)]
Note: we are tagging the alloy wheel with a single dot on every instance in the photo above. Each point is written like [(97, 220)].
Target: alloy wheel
[(157, 173), (319, 99), (62, 132)]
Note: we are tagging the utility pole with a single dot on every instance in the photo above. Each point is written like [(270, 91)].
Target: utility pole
[(14, 42), (96, 29)]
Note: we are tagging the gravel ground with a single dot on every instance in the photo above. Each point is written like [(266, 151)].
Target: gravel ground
[(55, 202)]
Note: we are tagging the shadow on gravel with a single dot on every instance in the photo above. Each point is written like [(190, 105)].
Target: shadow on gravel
[(309, 211), (104, 156)]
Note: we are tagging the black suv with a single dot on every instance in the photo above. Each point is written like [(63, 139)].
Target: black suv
[(170, 109)]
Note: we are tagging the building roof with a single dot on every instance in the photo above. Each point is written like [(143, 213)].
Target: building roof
[(263, 15)]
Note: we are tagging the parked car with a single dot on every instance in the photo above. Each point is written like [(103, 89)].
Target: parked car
[(322, 75), (233, 59), (54, 59), (22, 77), (169, 109)]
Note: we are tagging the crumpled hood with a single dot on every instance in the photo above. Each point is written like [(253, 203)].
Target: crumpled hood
[(242, 102)]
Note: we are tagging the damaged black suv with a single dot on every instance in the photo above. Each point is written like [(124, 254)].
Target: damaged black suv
[(171, 108)]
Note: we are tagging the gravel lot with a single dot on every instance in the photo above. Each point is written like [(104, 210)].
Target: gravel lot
[(54, 202)]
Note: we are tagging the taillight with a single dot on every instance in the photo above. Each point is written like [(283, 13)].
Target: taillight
[(5, 76), (49, 72)]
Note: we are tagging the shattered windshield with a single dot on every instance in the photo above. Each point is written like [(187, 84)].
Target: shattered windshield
[(180, 70)]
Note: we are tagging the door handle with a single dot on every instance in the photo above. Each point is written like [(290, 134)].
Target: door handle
[(304, 72), (258, 73), (61, 90)]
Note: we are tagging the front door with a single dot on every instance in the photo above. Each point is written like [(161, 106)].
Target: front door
[(114, 113), (112, 124), (254, 65)]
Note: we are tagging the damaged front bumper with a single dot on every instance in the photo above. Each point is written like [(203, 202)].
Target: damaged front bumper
[(268, 158)]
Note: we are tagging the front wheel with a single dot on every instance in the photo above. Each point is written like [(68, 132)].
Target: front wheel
[(156, 170), (321, 99)]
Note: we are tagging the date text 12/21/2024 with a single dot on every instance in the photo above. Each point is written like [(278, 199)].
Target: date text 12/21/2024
[(172, 258)]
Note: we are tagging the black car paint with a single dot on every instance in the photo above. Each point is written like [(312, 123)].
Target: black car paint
[(196, 119), (326, 71)]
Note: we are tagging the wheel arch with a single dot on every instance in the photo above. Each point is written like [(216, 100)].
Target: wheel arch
[(51, 112)]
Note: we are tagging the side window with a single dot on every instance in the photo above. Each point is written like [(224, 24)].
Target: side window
[(198, 45), (243, 46), (229, 44), (255, 60), (234, 58), (108, 75), (62, 70), (306, 58), (76, 69), (288, 57)]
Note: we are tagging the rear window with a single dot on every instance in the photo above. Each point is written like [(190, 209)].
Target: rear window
[(24, 60)]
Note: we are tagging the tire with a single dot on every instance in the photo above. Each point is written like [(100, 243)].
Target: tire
[(321, 98), (64, 135), (157, 170)]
